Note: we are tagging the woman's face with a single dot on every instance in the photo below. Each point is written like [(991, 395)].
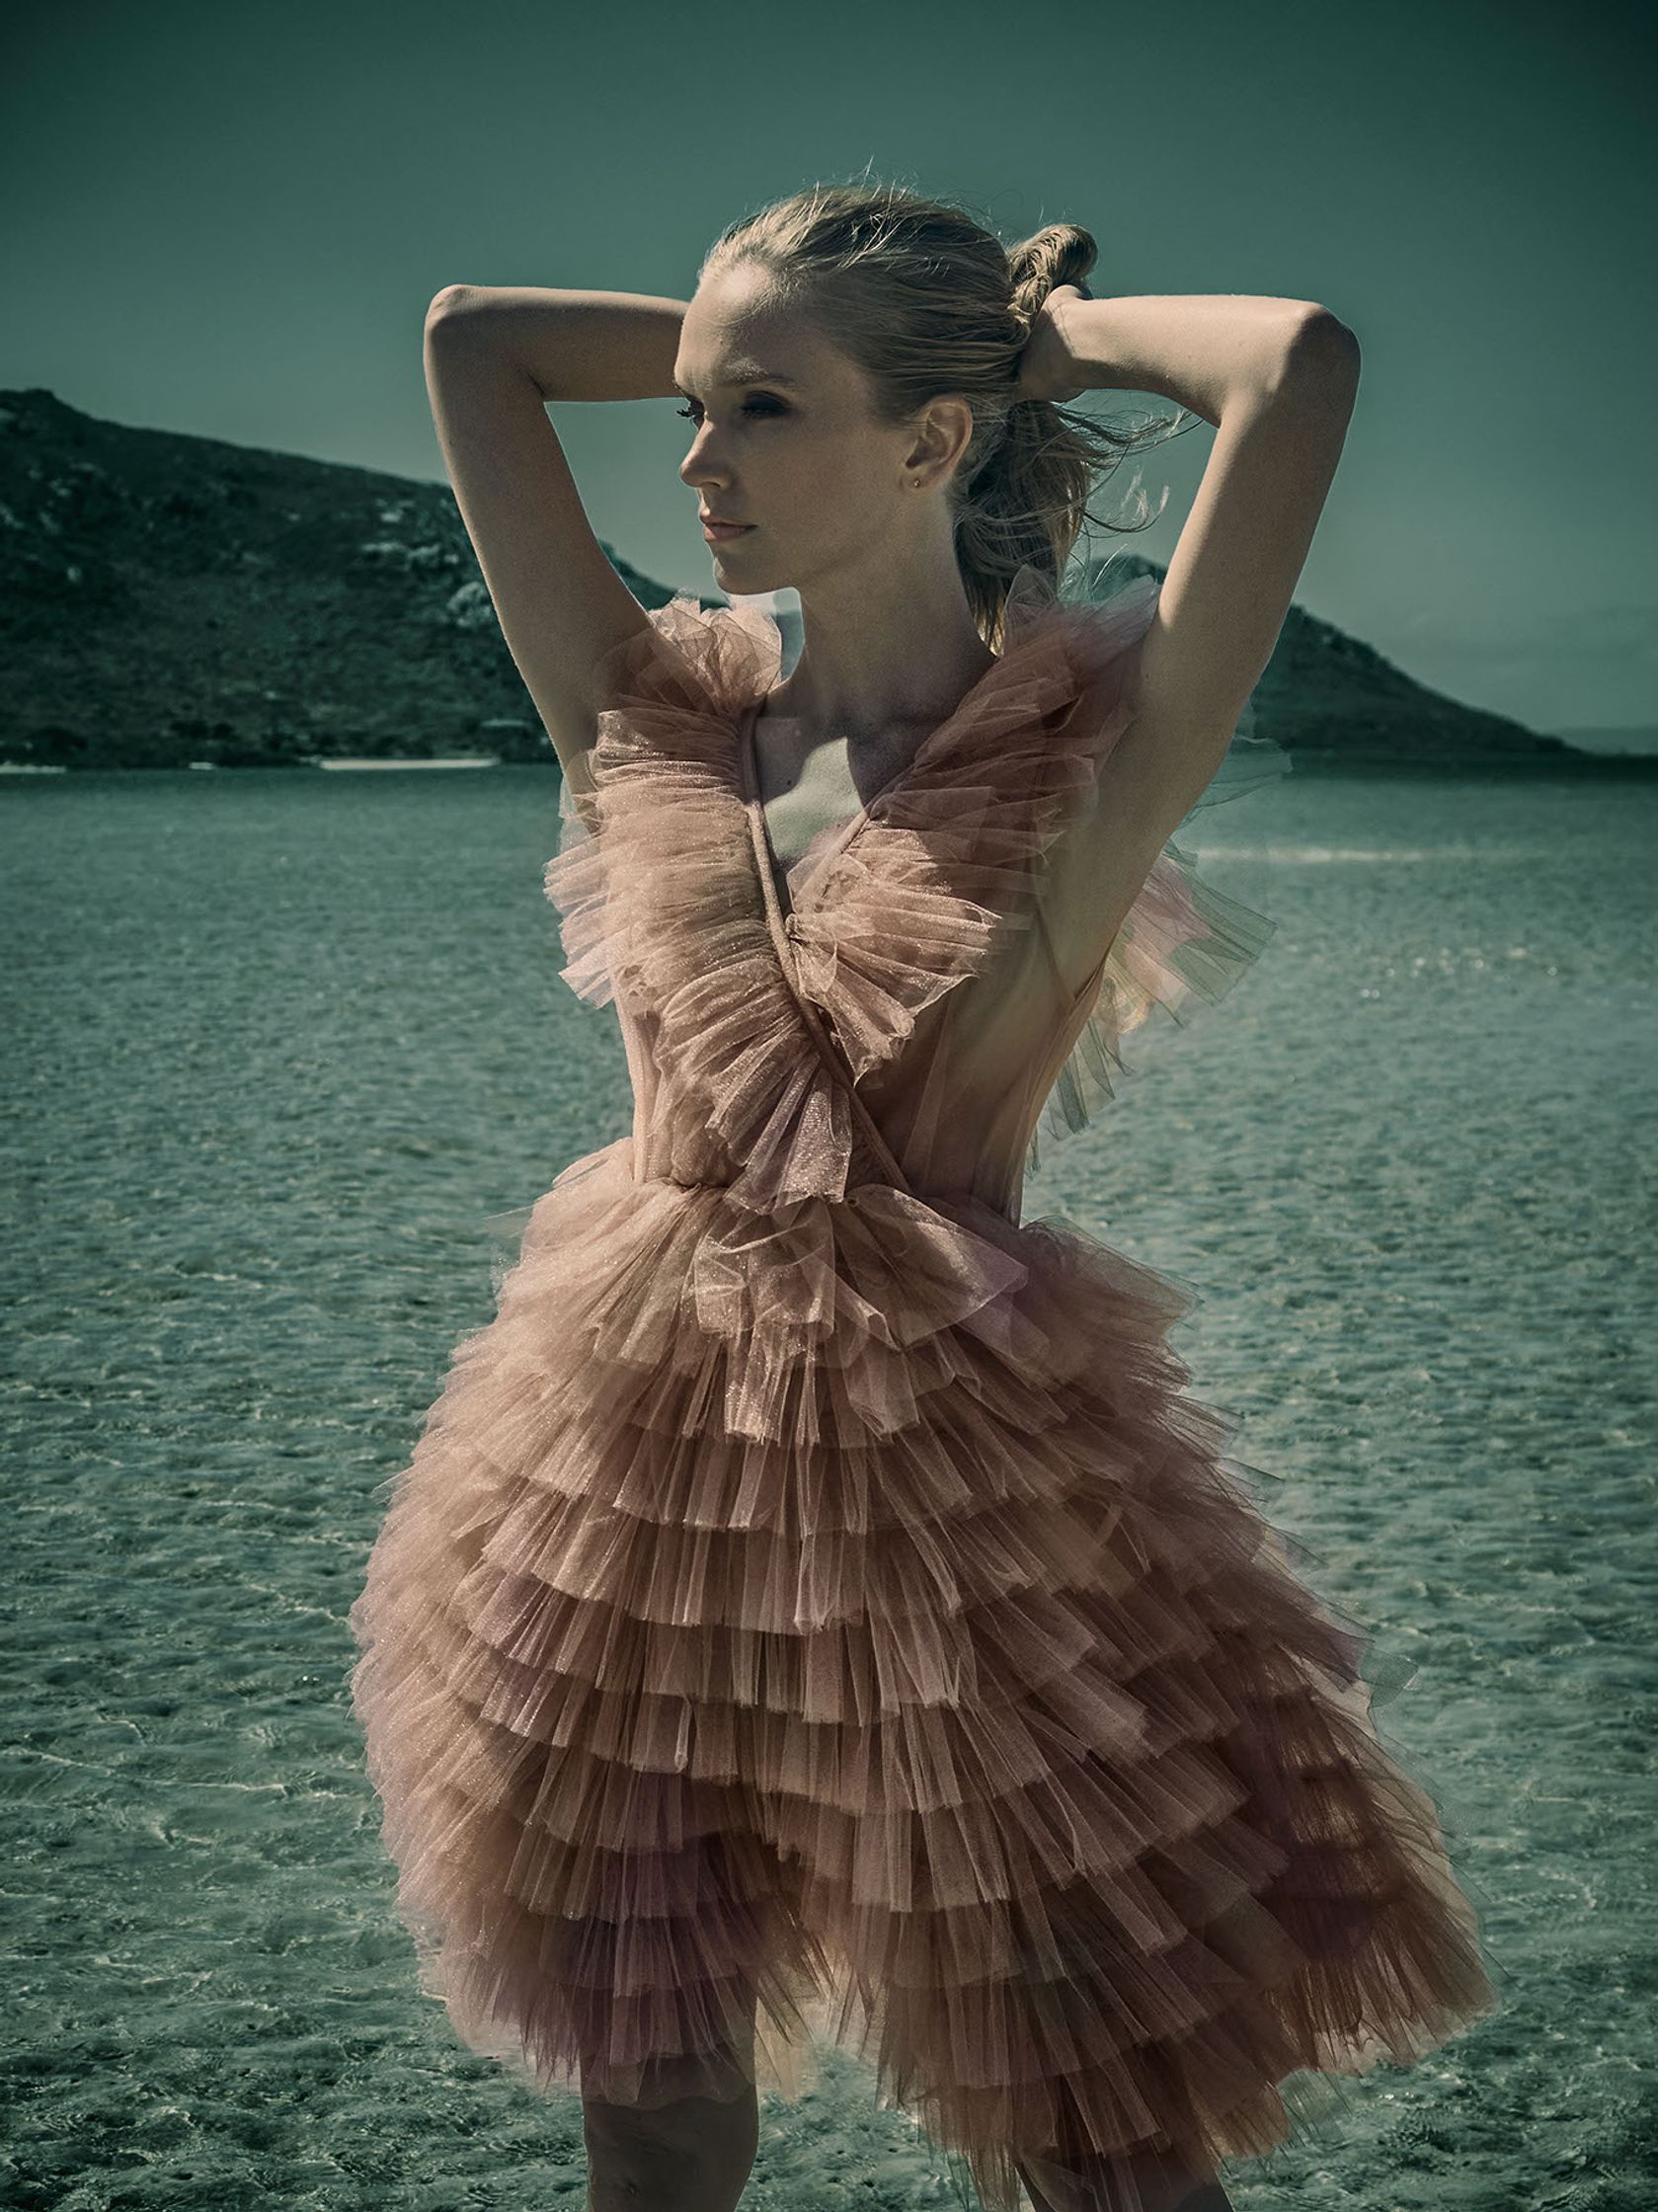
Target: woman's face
[(782, 438)]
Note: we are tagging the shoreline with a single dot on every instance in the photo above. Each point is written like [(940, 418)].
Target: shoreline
[(1588, 767)]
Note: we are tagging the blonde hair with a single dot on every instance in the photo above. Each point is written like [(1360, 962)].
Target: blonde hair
[(927, 300)]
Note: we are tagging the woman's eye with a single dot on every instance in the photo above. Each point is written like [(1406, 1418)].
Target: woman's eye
[(694, 408)]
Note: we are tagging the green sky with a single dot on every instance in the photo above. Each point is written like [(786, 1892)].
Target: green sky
[(228, 220)]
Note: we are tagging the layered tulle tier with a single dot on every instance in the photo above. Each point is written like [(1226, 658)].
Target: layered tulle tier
[(842, 1623)]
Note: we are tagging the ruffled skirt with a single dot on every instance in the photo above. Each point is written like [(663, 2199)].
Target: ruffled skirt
[(839, 1623)]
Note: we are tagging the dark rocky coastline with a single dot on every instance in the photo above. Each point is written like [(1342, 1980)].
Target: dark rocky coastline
[(170, 602)]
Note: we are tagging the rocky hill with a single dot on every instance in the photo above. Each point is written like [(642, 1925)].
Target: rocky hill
[(167, 600)]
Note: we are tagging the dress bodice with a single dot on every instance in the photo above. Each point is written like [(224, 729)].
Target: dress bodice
[(915, 928)]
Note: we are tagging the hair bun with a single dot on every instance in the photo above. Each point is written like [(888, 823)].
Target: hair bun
[(1057, 254)]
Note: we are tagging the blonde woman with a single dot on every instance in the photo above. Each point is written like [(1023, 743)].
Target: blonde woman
[(814, 1606)]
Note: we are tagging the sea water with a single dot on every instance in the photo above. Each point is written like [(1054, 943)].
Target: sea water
[(280, 1045)]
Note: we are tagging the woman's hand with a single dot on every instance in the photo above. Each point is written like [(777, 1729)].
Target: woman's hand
[(1048, 368)]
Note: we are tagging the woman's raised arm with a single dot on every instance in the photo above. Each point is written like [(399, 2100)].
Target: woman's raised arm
[(494, 357), (1278, 378)]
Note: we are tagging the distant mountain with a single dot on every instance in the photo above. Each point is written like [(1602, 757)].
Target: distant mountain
[(1336, 704), (1638, 738), (167, 600)]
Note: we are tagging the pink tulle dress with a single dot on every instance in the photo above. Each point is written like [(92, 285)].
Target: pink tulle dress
[(813, 1608)]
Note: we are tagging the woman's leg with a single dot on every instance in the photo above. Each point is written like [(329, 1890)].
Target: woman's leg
[(693, 2154), (693, 2147), (1145, 2181)]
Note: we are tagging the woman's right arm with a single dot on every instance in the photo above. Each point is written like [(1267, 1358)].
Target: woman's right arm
[(494, 357)]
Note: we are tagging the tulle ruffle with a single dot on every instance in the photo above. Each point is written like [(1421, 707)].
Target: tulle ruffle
[(922, 896), (661, 914), (868, 1639)]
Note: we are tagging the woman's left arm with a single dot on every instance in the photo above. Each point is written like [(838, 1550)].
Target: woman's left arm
[(1201, 349), (1281, 377)]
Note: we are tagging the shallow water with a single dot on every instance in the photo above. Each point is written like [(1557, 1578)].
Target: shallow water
[(282, 1045)]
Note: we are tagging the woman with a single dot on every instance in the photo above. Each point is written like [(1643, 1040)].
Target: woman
[(814, 1605)]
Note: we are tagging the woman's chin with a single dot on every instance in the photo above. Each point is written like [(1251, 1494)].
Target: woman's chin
[(744, 575)]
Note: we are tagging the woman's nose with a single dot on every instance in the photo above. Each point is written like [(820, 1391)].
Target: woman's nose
[(697, 463)]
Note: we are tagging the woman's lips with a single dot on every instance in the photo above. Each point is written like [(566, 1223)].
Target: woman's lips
[(715, 531)]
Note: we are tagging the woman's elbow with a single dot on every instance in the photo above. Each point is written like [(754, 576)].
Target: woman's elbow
[(1323, 359), (1322, 336)]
